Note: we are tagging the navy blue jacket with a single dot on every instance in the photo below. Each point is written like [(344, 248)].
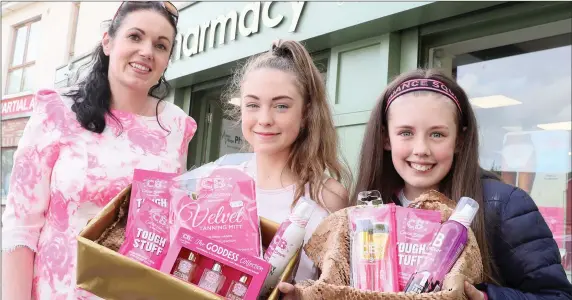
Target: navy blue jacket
[(522, 247)]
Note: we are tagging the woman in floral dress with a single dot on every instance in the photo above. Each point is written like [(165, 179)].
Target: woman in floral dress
[(79, 150)]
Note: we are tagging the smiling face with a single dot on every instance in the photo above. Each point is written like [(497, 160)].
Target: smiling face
[(139, 52), (422, 131), (271, 110)]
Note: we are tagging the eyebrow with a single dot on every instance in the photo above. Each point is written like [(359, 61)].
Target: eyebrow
[(431, 128), (143, 32), (281, 97)]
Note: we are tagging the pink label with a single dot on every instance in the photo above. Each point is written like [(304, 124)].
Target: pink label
[(211, 281), (221, 207), (444, 250), (148, 238), (185, 266), (278, 241), (415, 230), (220, 252), (152, 186), (227, 256), (239, 290), (147, 230)]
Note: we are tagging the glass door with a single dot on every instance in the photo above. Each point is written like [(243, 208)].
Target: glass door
[(519, 84), (218, 133)]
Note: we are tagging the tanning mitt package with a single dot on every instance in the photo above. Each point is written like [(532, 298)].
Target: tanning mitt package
[(218, 202)]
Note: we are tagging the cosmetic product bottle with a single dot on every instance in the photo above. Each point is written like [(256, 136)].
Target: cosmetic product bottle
[(379, 241), (363, 255), (237, 289), (287, 240), (445, 249), (212, 280), (185, 267)]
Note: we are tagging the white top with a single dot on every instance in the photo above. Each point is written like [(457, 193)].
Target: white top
[(404, 201), (275, 206)]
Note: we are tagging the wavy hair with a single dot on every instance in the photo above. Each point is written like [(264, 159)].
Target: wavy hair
[(315, 151), (92, 94)]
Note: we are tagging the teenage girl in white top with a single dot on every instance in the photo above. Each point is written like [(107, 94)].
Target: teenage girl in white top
[(287, 121)]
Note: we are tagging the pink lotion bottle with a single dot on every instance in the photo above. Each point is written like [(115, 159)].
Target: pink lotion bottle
[(286, 242), (185, 267), (237, 289), (446, 247), (212, 280)]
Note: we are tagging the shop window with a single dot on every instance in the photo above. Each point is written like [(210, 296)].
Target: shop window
[(322, 65), (521, 93), (24, 52), (7, 163)]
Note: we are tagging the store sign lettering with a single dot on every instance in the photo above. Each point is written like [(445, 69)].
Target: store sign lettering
[(197, 38), (17, 105)]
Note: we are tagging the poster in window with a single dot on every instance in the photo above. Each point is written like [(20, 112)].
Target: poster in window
[(232, 140), (7, 163), (12, 131)]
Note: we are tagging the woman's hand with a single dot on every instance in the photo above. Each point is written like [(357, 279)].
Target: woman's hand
[(474, 294), (288, 291), (17, 274)]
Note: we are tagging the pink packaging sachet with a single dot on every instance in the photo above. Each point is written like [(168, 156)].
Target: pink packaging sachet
[(149, 185), (415, 230), (373, 248), (147, 231), (220, 206), (147, 240)]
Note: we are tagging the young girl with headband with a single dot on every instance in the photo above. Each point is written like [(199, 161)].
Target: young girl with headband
[(423, 135)]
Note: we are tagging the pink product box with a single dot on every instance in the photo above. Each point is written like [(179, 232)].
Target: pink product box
[(215, 266), (222, 207), (415, 230)]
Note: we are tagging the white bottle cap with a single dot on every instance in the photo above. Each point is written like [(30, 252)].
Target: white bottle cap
[(217, 267), (302, 213), (243, 279), (465, 211)]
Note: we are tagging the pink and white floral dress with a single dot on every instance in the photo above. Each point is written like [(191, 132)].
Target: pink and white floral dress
[(63, 175)]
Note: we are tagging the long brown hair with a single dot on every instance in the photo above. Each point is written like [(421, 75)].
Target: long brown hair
[(315, 151), (376, 170)]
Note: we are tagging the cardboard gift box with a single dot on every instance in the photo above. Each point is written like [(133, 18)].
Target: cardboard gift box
[(104, 272)]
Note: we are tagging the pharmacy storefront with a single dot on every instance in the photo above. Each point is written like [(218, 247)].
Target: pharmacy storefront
[(513, 59)]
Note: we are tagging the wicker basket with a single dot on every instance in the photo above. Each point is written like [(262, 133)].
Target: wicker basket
[(333, 260)]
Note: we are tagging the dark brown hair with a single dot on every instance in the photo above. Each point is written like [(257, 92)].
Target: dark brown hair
[(92, 95), (315, 150), (376, 170)]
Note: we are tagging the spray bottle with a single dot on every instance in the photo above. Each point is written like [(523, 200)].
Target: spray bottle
[(286, 242), (445, 249)]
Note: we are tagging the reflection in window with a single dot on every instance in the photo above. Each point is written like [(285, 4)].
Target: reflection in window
[(7, 163), (521, 94)]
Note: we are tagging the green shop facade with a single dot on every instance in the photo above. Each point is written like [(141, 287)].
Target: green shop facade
[(512, 58)]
